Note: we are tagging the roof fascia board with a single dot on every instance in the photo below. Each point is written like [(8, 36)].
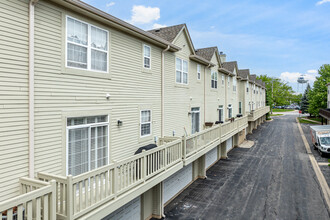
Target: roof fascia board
[(201, 60), (185, 30), (114, 22)]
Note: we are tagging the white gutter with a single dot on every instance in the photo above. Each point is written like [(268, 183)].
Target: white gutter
[(163, 91), (31, 87)]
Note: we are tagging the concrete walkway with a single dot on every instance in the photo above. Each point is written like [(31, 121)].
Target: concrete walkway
[(272, 180)]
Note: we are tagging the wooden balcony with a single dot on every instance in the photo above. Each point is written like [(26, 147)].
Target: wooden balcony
[(37, 201), (111, 186), (325, 113), (255, 114)]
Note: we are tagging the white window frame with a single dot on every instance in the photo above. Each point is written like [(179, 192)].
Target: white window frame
[(228, 81), (142, 123), (230, 110), (239, 107), (234, 84), (214, 77), (247, 86), (144, 46), (199, 119), (88, 46), (220, 109), (92, 125), (199, 72), (181, 71)]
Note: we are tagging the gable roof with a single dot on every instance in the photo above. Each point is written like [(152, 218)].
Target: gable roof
[(111, 21), (207, 53), (252, 78), (168, 33), (230, 65), (244, 74), (259, 82)]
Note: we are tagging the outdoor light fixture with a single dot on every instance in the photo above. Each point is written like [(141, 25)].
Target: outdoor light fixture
[(119, 123)]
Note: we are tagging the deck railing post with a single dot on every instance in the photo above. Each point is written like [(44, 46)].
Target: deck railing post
[(69, 201), (144, 166), (52, 205), (115, 179), (184, 147)]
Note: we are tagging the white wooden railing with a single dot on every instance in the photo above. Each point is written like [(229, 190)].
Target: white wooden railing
[(201, 139), (37, 201), (72, 197), (255, 114), (79, 194)]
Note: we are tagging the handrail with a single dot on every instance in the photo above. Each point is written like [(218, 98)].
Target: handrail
[(38, 201)]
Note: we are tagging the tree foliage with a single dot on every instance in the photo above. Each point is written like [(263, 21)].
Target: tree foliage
[(304, 100), (318, 95), (279, 92)]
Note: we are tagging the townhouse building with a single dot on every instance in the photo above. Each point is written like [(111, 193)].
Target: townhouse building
[(103, 120)]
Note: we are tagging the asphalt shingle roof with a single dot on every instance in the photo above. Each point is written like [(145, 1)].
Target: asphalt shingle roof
[(230, 65), (167, 33), (253, 77), (244, 73), (206, 53)]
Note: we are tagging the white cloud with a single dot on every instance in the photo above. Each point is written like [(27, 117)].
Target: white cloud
[(322, 2), (110, 4), (292, 77), (155, 26), (144, 15), (312, 71)]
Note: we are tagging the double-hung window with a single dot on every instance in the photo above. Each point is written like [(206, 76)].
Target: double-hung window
[(145, 123), (247, 86), (181, 71), (198, 72), (146, 56), (87, 46), (87, 143), (214, 80)]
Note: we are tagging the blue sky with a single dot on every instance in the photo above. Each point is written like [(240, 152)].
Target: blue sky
[(279, 38)]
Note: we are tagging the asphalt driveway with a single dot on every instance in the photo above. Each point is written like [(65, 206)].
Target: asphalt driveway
[(272, 180)]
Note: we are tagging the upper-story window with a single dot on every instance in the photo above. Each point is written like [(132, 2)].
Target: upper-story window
[(87, 46), (145, 120), (198, 71), (214, 80), (222, 79), (181, 71), (146, 56), (247, 86)]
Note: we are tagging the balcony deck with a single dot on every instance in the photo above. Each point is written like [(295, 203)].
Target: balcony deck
[(255, 114), (113, 185)]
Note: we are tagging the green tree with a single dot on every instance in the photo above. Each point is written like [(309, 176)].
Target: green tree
[(278, 92), (304, 100), (318, 95)]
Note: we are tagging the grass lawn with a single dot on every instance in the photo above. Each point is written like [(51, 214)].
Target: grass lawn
[(282, 110), (301, 120), (276, 114), (315, 119)]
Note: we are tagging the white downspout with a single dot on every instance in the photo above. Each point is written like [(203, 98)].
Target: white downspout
[(31, 87), (163, 92)]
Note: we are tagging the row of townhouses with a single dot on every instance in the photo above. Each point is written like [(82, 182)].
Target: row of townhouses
[(102, 120)]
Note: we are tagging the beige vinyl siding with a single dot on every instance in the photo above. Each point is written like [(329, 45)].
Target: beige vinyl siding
[(13, 95), (60, 93), (214, 97), (177, 96)]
